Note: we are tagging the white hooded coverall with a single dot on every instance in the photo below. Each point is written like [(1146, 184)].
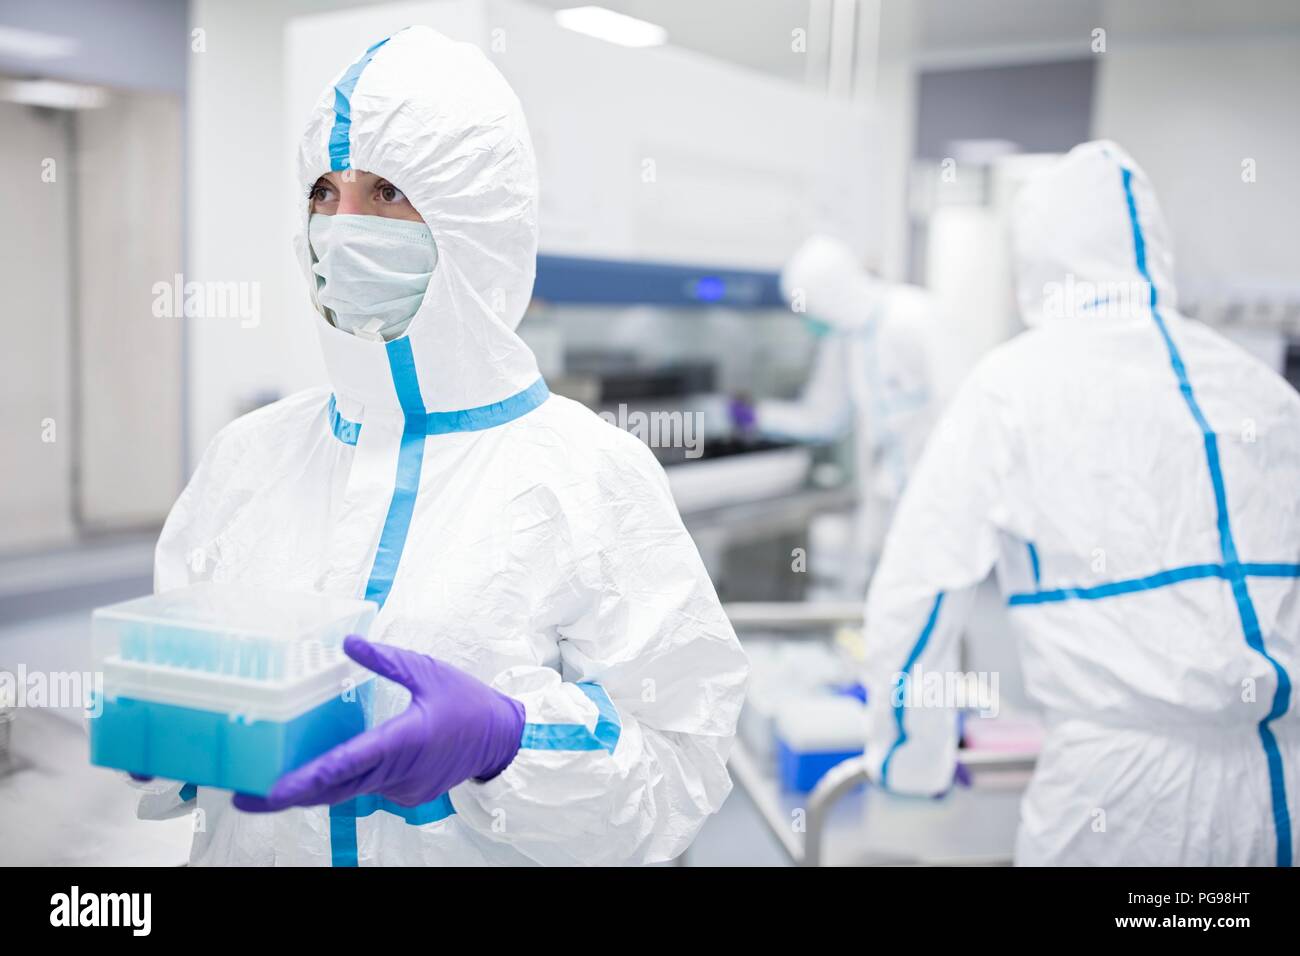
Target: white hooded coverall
[(1133, 477), (885, 365), (504, 530)]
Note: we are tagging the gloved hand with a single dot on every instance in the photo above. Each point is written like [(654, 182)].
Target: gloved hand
[(960, 778), (456, 728), (743, 416)]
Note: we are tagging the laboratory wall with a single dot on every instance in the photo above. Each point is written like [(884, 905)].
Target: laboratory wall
[(1215, 123), (96, 370), (1041, 107), (130, 390), (129, 44), (238, 228), (35, 371), (92, 196)]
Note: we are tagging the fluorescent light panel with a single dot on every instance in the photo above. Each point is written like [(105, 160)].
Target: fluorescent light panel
[(54, 94), (612, 27)]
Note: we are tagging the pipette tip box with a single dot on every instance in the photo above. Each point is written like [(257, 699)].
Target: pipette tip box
[(226, 686)]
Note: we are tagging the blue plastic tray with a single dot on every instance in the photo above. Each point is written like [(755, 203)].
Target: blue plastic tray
[(800, 772), (214, 749)]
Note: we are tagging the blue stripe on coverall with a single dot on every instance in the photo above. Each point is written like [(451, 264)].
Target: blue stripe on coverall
[(899, 707), (1160, 579), (406, 482), (340, 148), (1033, 561), (345, 431), (465, 420), (342, 825), (410, 460), (1234, 573), (576, 736), (1112, 588)]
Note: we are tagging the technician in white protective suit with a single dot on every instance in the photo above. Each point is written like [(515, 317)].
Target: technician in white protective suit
[(527, 557), (885, 364), (1132, 477)]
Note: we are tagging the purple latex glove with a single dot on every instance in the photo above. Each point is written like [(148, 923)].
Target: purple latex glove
[(960, 778), (456, 727), (743, 416)]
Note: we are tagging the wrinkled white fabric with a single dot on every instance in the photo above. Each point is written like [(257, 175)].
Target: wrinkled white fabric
[(538, 552), (1164, 700), (883, 369)]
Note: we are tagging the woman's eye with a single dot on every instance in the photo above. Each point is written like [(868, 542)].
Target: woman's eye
[(320, 194), (390, 193)]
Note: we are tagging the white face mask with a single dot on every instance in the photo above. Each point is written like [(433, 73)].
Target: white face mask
[(371, 272)]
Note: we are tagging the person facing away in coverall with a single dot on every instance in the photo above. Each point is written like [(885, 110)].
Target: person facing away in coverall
[(1132, 477), (562, 684)]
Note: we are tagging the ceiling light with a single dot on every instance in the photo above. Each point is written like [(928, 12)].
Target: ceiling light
[(614, 27), (54, 94)]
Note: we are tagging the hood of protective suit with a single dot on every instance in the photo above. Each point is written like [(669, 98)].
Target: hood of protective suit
[(435, 118), (1072, 236), (824, 281)]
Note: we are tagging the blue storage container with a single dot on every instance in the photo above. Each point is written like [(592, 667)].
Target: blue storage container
[(815, 733), (800, 771)]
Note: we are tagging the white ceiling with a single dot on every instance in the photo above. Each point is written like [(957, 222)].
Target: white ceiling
[(757, 33), (752, 33)]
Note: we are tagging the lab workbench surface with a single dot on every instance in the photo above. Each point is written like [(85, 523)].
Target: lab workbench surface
[(845, 822)]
